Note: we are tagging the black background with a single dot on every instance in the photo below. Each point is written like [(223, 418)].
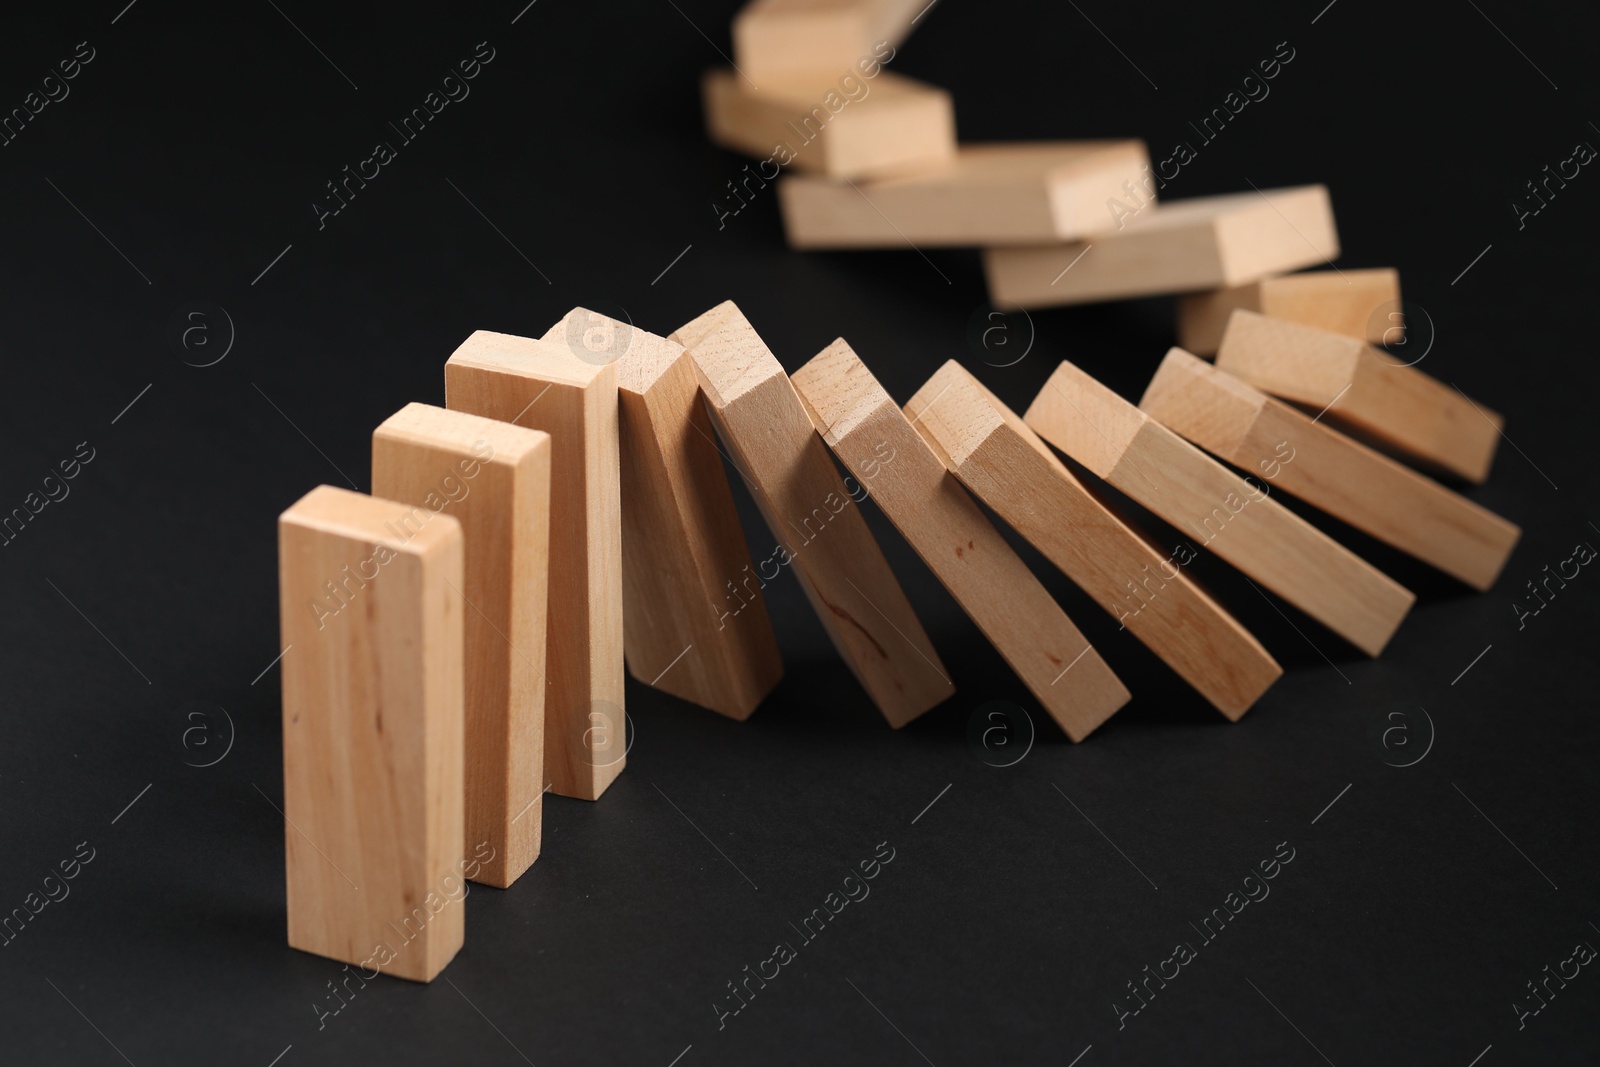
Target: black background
[(1008, 922)]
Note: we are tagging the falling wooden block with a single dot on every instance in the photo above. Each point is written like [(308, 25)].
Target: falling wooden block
[(1210, 242), (494, 478), (870, 434), (1353, 385), (682, 546), (773, 38), (989, 194), (1328, 470), (547, 386), (1356, 303), (885, 125), (1235, 518), (1006, 466), (372, 731), (813, 515)]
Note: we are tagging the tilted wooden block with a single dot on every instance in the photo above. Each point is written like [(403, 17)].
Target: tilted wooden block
[(547, 386), (372, 731), (870, 434), (494, 478), (1353, 386), (884, 125), (1328, 470), (1007, 466), (813, 515), (1235, 518), (989, 194), (682, 545), (1180, 246), (773, 38), (1356, 303)]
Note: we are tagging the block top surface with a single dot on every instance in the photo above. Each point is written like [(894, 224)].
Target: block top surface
[(510, 354), (729, 355), (1028, 164), (805, 90), (641, 357), (958, 414), (839, 392), (1203, 210), (1096, 425), (360, 517), (456, 431)]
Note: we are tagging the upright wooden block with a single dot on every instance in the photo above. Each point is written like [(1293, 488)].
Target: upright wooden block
[(1328, 470), (863, 127), (495, 479), (1350, 384), (547, 386), (813, 515), (870, 434), (988, 194), (1356, 303), (683, 549), (1207, 242), (372, 731), (1006, 466), (774, 38), (1235, 518)]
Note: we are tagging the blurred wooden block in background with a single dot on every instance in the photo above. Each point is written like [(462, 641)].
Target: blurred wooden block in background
[(1179, 246), (1356, 303), (1328, 470), (372, 731), (774, 38)]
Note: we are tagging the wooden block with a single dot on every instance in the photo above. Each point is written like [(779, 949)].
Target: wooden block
[(1006, 466), (547, 386), (495, 479), (682, 545), (1328, 470), (1356, 303), (1210, 242), (774, 38), (372, 731), (885, 125), (813, 515), (1355, 387), (987, 194), (1235, 518), (870, 434)]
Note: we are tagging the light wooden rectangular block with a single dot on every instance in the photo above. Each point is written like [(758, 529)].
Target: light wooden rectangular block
[(372, 731), (1366, 392), (987, 194), (1210, 242), (870, 434), (494, 478), (683, 550), (1006, 466), (773, 38), (813, 515), (1235, 518), (863, 127), (1356, 303), (1328, 470), (547, 386)]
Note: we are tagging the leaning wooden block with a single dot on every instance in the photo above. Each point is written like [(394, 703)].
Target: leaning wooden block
[(1233, 517), (870, 434), (547, 386), (1354, 386), (773, 38), (682, 546), (372, 731), (495, 479), (1328, 470), (1006, 466), (1356, 303), (813, 515), (1181, 246), (861, 128), (989, 194)]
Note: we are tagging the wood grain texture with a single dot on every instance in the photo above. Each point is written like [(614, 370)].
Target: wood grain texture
[(1029, 192), (1367, 393), (1330, 471), (549, 387), (494, 478), (814, 515), (1180, 246), (775, 38), (873, 438), (682, 545), (1218, 510), (372, 731), (1007, 466), (1356, 303)]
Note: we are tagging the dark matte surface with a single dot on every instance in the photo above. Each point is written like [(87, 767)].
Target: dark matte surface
[(1019, 904)]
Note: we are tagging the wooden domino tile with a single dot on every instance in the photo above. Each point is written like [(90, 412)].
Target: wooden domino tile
[(773, 38), (1356, 303)]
